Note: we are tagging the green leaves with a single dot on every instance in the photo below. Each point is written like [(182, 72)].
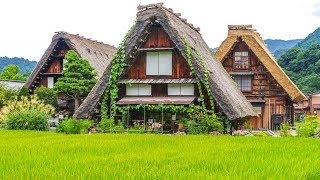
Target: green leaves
[(11, 72), (78, 76), (303, 67)]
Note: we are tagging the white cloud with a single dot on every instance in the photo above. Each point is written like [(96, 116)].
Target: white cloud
[(28, 26)]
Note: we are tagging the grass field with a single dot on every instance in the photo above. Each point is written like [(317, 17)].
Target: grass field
[(45, 155)]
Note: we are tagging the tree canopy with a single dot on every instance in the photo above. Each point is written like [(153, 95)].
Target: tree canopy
[(303, 67), (11, 72), (78, 77)]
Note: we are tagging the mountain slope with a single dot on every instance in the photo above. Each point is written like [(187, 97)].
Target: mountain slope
[(278, 46), (24, 64), (302, 63), (312, 38)]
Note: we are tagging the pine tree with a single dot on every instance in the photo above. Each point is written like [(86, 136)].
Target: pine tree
[(78, 78)]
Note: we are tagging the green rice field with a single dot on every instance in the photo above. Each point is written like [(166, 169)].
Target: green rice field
[(48, 155)]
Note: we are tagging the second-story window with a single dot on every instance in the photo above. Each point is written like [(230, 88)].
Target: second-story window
[(159, 63), (241, 59), (138, 90), (243, 82)]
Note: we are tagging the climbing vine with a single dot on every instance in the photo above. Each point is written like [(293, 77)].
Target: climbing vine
[(206, 76), (117, 68)]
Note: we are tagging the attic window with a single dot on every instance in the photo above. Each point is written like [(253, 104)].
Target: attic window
[(159, 63), (241, 59), (88, 50)]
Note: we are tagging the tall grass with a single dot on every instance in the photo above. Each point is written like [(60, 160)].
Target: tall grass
[(45, 155)]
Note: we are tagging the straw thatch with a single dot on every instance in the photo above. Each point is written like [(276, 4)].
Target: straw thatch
[(260, 49), (97, 53), (223, 89)]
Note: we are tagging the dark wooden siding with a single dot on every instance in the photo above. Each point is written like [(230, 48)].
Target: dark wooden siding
[(159, 38), (264, 86)]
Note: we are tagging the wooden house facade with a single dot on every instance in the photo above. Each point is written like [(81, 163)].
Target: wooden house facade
[(156, 72), (50, 66), (246, 58)]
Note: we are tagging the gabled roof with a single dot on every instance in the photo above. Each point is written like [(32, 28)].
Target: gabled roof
[(97, 53), (252, 38), (223, 89)]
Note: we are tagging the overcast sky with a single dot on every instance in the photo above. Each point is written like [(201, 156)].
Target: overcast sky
[(27, 26)]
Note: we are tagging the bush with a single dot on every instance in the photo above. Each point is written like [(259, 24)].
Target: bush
[(72, 126), (309, 127), (25, 104), (106, 125), (47, 95), (7, 95), (202, 123), (284, 131), (30, 119)]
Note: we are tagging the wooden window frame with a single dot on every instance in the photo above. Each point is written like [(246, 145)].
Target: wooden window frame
[(241, 87), (158, 64), (244, 60), (138, 90), (180, 87)]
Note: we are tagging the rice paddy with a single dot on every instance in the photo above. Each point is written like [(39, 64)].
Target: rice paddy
[(47, 155)]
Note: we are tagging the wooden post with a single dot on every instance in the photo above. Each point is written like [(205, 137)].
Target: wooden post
[(144, 117), (162, 118), (128, 118)]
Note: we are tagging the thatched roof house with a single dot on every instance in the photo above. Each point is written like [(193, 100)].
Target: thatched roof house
[(223, 89), (252, 38), (97, 53)]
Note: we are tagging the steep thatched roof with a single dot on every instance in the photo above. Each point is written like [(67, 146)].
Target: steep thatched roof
[(97, 53), (223, 89), (260, 49)]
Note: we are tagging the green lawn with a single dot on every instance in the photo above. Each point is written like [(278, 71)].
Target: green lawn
[(43, 155)]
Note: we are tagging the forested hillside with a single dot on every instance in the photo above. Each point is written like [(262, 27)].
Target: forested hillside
[(303, 67), (25, 65)]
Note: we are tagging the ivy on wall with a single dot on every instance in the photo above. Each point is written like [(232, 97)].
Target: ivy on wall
[(206, 76), (111, 93)]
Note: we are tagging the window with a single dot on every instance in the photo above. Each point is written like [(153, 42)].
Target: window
[(180, 89), (50, 82), (243, 82), (241, 58), (138, 90), (159, 63)]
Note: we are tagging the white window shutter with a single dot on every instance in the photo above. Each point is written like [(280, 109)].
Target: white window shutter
[(152, 63), (187, 89), (144, 90), (132, 90), (50, 82), (165, 63), (174, 89)]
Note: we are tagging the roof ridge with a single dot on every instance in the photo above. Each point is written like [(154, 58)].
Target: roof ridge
[(82, 37), (170, 10)]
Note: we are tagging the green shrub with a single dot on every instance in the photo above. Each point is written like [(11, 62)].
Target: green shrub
[(30, 119), (201, 123), (309, 127), (7, 95), (106, 125), (69, 126), (72, 126), (25, 104), (284, 131), (84, 125), (47, 95)]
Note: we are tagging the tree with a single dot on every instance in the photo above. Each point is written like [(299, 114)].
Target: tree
[(7, 95), (47, 95), (78, 78), (11, 72)]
